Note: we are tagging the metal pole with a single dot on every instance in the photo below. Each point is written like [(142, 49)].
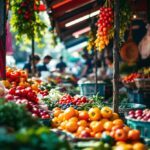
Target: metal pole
[(116, 57)]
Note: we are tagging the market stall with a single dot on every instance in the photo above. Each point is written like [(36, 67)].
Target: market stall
[(43, 113)]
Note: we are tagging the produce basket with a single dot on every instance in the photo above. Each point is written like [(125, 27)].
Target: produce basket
[(89, 89), (143, 126), (124, 108), (142, 83)]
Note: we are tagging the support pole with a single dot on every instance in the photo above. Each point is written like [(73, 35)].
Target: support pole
[(116, 57), (96, 82), (148, 11), (32, 55), (3, 19)]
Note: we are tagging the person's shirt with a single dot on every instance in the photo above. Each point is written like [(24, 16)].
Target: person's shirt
[(109, 72), (27, 66), (89, 65), (42, 67), (61, 66)]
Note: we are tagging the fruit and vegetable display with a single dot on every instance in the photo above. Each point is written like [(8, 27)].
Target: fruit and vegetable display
[(131, 77), (31, 102), (140, 115), (15, 116)]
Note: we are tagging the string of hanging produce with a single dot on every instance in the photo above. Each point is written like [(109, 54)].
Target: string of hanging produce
[(25, 20), (105, 23)]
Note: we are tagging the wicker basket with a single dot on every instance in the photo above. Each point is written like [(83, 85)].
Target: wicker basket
[(142, 83)]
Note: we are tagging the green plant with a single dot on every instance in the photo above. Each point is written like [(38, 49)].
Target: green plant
[(25, 20), (15, 116), (32, 139)]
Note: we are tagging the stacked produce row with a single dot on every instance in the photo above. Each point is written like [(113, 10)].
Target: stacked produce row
[(74, 117)]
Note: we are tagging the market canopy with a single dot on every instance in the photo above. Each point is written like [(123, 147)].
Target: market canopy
[(72, 18)]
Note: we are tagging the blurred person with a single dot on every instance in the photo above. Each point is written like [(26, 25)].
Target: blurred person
[(109, 67), (28, 65), (61, 66), (46, 61), (88, 66)]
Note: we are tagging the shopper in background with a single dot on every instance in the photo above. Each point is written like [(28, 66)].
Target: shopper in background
[(109, 67), (28, 65), (88, 66), (46, 61), (61, 66)]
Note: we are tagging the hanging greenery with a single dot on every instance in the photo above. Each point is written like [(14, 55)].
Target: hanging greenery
[(25, 20)]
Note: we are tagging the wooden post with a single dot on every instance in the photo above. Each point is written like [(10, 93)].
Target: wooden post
[(148, 11), (32, 58), (3, 19), (96, 84), (116, 57)]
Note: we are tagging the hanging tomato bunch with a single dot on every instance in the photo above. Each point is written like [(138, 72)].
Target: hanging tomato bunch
[(105, 24), (25, 20)]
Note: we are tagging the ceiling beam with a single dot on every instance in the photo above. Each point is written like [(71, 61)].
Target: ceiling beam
[(76, 11), (68, 7), (79, 15), (71, 30)]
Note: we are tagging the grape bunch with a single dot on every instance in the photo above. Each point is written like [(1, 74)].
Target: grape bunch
[(105, 24)]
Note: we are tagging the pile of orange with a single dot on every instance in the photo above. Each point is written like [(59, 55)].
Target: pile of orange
[(130, 146), (93, 123)]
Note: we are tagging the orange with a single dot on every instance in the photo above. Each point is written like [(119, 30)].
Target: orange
[(104, 120), (80, 128), (114, 116), (129, 147), (57, 112), (97, 126), (82, 123), (71, 126), (73, 119), (61, 117), (34, 87), (63, 125), (134, 134), (108, 125), (77, 112), (118, 122), (83, 115), (114, 128), (69, 113), (98, 135), (106, 112), (126, 128), (120, 135), (56, 108), (55, 122), (139, 146), (94, 114)]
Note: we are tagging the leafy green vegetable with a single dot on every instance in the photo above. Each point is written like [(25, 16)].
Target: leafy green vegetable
[(15, 116), (32, 139)]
